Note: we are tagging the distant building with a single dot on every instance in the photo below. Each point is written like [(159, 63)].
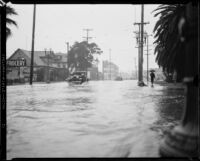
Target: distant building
[(125, 75), (110, 70), (47, 65), (100, 76), (92, 73), (60, 60)]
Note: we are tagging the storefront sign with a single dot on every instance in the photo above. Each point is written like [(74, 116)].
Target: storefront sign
[(16, 63)]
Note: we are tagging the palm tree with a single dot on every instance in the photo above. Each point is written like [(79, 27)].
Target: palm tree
[(177, 31), (9, 11), (169, 49)]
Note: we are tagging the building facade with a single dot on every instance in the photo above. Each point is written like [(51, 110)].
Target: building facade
[(47, 66), (109, 70), (92, 73)]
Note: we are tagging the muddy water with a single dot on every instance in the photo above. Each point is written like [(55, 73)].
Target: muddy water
[(95, 119)]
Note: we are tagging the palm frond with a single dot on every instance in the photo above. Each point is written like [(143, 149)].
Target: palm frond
[(10, 22), (168, 45), (165, 7), (10, 11), (8, 32)]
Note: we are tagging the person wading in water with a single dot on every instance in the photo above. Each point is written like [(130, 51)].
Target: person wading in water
[(152, 75)]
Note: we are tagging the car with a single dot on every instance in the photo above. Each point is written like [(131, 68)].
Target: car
[(77, 77), (119, 78)]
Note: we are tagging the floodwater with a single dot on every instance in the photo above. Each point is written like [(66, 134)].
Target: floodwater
[(95, 119)]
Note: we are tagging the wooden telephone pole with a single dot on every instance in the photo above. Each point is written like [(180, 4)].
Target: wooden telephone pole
[(147, 37), (140, 48), (32, 49), (67, 47), (87, 39)]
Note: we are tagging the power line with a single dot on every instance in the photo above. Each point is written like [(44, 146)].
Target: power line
[(67, 47)]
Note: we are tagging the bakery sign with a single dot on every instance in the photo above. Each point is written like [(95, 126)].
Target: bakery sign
[(16, 63)]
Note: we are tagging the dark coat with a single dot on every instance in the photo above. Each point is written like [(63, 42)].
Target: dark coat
[(152, 75)]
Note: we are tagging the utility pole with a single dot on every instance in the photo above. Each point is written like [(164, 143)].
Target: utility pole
[(140, 50), (67, 47), (67, 57), (97, 61), (110, 62), (135, 68), (148, 57), (32, 49), (103, 70), (48, 78), (87, 39), (87, 34)]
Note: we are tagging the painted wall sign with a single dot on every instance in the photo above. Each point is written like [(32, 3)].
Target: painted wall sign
[(16, 63)]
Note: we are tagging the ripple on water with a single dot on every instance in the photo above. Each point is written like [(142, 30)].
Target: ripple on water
[(102, 118)]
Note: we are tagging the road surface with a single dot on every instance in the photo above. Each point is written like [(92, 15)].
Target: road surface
[(95, 119)]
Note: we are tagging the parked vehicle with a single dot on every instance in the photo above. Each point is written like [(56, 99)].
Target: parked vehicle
[(77, 77), (118, 78)]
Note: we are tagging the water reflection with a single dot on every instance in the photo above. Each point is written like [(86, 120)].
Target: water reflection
[(96, 119), (170, 109)]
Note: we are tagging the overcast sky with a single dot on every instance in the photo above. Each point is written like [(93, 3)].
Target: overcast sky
[(112, 28)]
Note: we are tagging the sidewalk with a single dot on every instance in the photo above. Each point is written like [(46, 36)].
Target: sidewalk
[(178, 86)]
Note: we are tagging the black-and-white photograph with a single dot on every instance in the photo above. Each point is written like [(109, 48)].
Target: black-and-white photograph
[(102, 80)]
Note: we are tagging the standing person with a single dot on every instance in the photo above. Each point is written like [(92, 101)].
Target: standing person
[(152, 75)]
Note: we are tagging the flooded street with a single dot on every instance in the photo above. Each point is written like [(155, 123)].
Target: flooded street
[(95, 119)]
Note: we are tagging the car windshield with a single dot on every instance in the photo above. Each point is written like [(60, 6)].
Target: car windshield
[(79, 73)]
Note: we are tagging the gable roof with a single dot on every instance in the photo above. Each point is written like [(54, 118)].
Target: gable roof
[(37, 56), (63, 56)]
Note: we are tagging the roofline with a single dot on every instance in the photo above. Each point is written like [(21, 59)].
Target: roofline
[(14, 53)]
